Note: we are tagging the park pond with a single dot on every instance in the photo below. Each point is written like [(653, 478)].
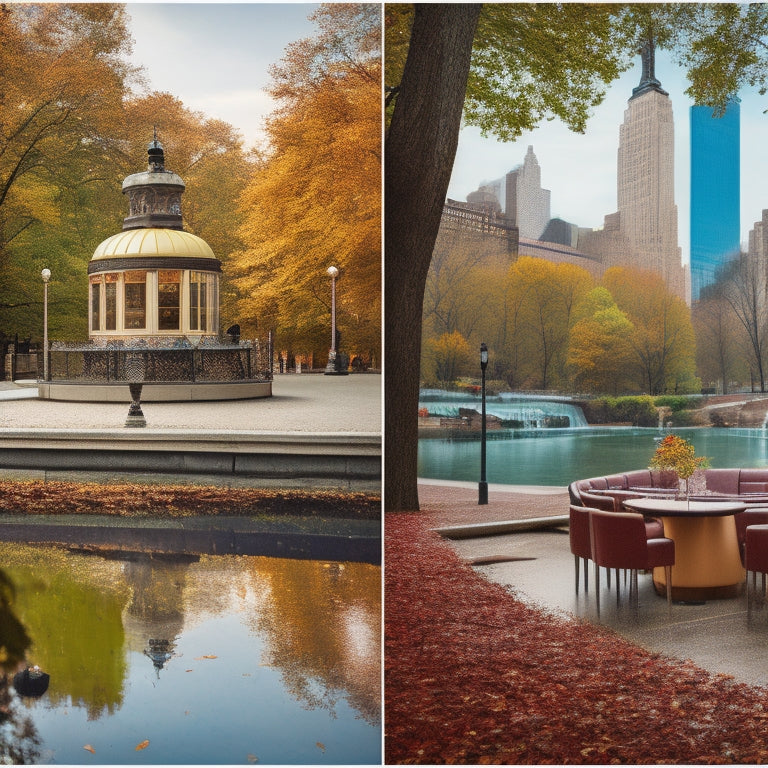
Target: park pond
[(539, 454), (198, 659), (558, 456)]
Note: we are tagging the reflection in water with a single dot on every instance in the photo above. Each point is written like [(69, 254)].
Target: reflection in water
[(328, 642), (93, 620)]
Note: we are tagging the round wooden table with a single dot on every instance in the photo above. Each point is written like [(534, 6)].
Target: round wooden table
[(707, 562)]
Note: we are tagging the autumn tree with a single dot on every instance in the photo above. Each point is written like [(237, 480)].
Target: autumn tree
[(663, 344), (720, 350), (315, 197), (532, 61), (446, 358), (63, 74), (544, 295), (465, 283), (599, 349), (745, 289)]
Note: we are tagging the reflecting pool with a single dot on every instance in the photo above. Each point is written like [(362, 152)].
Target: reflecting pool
[(558, 456), (200, 659)]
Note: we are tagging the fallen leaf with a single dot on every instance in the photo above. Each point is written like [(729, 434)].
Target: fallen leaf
[(320, 745), (90, 749), (253, 759), (144, 744), (207, 656)]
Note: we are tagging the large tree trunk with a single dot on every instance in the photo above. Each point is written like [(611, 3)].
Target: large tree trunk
[(419, 155)]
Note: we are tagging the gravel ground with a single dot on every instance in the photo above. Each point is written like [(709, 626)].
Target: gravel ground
[(299, 403)]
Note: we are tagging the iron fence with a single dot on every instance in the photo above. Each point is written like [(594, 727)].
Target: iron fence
[(246, 361)]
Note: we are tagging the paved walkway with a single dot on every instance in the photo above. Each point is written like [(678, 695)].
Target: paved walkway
[(299, 403), (455, 503)]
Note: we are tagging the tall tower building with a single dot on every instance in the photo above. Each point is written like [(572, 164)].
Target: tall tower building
[(715, 187), (524, 203), (646, 178)]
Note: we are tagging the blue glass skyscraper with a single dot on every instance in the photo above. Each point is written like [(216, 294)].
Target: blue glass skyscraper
[(715, 199)]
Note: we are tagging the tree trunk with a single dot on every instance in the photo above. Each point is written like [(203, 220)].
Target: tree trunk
[(420, 151)]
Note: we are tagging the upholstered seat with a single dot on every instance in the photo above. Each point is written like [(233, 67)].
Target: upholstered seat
[(618, 541), (755, 560), (581, 547)]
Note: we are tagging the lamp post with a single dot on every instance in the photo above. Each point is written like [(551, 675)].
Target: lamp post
[(483, 488), (330, 368), (46, 275)]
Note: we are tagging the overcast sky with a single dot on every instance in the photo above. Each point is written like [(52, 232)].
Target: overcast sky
[(215, 57), (580, 170)]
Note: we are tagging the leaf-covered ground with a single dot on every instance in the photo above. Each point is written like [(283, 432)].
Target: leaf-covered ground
[(136, 500), (475, 676)]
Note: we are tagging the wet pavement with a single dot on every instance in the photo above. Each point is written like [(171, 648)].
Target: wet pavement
[(538, 567)]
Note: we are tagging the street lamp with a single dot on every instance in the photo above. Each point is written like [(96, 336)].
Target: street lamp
[(483, 488), (330, 368), (46, 275)]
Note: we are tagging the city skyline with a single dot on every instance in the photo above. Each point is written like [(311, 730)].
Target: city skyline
[(591, 158)]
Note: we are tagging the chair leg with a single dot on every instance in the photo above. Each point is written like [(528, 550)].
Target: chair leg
[(586, 575), (608, 577), (635, 589), (668, 576), (618, 585), (597, 588), (749, 599), (576, 560)]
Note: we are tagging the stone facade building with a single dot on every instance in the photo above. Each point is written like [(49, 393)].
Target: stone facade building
[(520, 197)]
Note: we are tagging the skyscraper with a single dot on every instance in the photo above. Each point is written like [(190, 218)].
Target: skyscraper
[(715, 200), (646, 178), (521, 197)]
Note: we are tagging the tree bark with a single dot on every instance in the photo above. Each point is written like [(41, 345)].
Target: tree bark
[(419, 154)]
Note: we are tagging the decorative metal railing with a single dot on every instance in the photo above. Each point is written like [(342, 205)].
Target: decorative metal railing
[(153, 362)]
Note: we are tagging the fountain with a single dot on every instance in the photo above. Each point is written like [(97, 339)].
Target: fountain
[(532, 411)]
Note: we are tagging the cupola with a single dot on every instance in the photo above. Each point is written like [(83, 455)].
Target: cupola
[(153, 278)]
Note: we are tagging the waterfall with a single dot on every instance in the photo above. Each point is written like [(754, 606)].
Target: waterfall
[(531, 410)]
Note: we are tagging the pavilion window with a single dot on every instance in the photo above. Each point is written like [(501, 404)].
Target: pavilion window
[(110, 302), (96, 283), (168, 299), (135, 313), (198, 301)]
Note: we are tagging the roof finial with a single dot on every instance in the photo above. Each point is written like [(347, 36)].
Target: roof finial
[(155, 152)]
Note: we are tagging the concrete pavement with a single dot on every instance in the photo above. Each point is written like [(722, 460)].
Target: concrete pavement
[(315, 431), (300, 403)]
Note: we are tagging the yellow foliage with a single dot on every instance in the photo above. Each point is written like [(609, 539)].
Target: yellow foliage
[(315, 201)]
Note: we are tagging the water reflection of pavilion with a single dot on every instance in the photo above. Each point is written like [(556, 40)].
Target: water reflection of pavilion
[(153, 619)]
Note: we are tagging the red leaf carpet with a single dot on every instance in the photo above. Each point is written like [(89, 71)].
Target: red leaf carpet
[(475, 676)]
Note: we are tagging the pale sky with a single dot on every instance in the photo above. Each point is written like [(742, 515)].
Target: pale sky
[(215, 57), (580, 170)]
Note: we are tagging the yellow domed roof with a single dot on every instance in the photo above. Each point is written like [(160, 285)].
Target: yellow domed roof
[(153, 242)]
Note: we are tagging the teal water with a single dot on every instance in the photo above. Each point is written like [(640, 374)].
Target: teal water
[(199, 659), (558, 456)]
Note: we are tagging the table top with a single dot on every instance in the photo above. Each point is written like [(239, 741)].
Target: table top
[(684, 507)]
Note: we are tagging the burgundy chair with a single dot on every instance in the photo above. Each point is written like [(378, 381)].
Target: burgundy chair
[(618, 541), (744, 519), (755, 559), (578, 529)]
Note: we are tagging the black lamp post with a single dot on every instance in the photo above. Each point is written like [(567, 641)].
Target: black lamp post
[(46, 275), (483, 484)]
